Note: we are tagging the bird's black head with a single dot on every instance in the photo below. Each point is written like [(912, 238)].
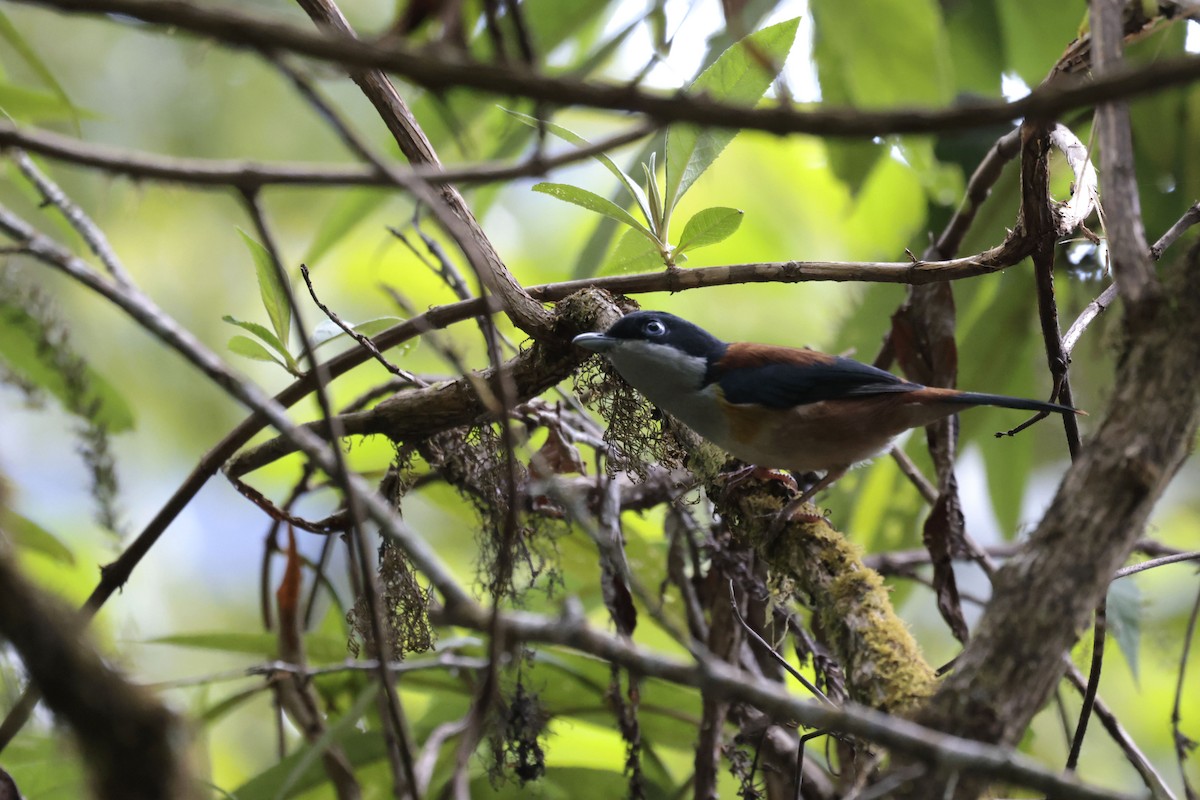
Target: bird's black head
[(659, 327)]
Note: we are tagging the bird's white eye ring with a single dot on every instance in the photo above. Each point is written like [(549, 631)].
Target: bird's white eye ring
[(654, 328)]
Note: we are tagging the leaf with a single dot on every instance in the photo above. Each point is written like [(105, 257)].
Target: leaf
[(320, 649), (592, 202), (634, 253), (31, 537), (1125, 620), (262, 333), (23, 350), (33, 105), (282, 780), (274, 295), (708, 227), (307, 757), (574, 138), (351, 209), (896, 53), (248, 348), (740, 75), (328, 330), (17, 42)]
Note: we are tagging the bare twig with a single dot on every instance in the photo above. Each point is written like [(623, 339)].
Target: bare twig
[(1133, 754), (363, 341), (81, 222), (795, 673), (1099, 633), (247, 175), (1189, 218), (1153, 563)]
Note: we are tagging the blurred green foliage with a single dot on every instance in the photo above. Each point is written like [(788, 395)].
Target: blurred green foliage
[(800, 198)]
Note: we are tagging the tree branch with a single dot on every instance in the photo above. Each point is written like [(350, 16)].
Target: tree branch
[(437, 73), (249, 175)]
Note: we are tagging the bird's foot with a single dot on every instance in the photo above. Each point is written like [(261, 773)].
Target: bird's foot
[(744, 474), (795, 511)]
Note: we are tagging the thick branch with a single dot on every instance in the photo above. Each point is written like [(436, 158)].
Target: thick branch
[(883, 664), (1044, 595), (423, 412), (134, 746)]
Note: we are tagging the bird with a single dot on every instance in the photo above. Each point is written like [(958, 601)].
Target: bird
[(777, 407)]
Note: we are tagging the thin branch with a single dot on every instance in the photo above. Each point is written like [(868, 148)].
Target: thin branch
[(447, 204), (783, 662), (1189, 218), (248, 175), (81, 222), (1183, 744), (1175, 558), (396, 727), (914, 475), (363, 341), (942, 750), (436, 72), (143, 311), (1099, 633), (1133, 754), (1106, 298)]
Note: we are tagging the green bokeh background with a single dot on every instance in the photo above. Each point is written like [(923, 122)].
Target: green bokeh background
[(143, 88)]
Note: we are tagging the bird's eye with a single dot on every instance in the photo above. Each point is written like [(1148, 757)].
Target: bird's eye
[(654, 328)]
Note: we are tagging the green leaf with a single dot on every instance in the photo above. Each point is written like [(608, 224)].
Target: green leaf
[(657, 217), (214, 713), (328, 330), (262, 333), (320, 649), (1125, 619), (248, 348), (307, 758), (741, 75), (34, 105), (10, 34), (709, 226), (351, 209), (574, 138), (274, 294), (284, 780), (592, 202), (31, 537), (634, 253), (23, 350), (890, 53)]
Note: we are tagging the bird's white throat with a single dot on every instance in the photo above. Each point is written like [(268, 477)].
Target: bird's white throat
[(673, 381)]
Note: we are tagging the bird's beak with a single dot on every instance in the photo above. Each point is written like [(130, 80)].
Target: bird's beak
[(596, 342)]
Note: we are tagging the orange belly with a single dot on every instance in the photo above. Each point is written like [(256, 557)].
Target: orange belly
[(826, 435)]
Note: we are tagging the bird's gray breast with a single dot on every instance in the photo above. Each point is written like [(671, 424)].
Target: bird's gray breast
[(673, 381)]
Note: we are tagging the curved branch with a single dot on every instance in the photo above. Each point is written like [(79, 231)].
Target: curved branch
[(250, 175)]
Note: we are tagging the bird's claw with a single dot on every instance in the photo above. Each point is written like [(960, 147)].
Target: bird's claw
[(743, 474)]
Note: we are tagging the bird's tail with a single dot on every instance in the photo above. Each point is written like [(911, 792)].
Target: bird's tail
[(1003, 401)]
